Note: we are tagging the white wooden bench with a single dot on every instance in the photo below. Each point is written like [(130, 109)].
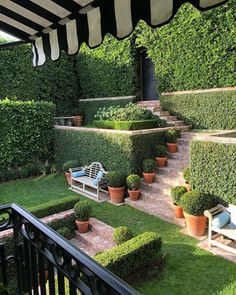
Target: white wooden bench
[(85, 184), (224, 237)]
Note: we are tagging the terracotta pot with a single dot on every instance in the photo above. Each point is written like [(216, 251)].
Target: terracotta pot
[(172, 147), (178, 211), (77, 121), (68, 178), (149, 177), (133, 195), (117, 194), (82, 226), (196, 225), (161, 162), (188, 187)]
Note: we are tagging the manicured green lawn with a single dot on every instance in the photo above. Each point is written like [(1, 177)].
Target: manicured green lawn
[(36, 191), (188, 270)]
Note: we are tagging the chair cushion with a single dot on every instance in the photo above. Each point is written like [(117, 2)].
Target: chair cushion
[(232, 210), (78, 173), (98, 178), (220, 220)]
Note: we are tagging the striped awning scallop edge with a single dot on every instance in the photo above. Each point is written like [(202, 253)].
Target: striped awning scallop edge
[(55, 25)]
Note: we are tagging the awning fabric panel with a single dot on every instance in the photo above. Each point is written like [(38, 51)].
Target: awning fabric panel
[(55, 25)]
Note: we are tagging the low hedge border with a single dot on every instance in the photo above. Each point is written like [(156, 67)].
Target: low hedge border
[(126, 258), (55, 206), (126, 125), (209, 110), (213, 169)]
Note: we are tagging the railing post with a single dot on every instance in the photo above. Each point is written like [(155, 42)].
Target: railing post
[(3, 263)]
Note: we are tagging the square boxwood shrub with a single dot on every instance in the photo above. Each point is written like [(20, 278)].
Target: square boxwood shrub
[(116, 151), (213, 169), (26, 132), (126, 258), (214, 110)]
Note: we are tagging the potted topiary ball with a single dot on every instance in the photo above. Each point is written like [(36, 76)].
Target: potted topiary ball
[(171, 141), (194, 204), (176, 194), (116, 186), (82, 212), (149, 166), (133, 182), (68, 165), (186, 176), (161, 155)]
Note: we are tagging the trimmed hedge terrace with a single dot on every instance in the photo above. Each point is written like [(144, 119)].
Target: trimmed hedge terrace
[(212, 110), (116, 150), (213, 169)]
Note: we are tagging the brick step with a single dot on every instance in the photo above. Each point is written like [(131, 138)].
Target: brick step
[(169, 180), (83, 247), (162, 211), (169, 118), (178, 162), (156, 193), (177, 123), (158, 188), (162, 113), (102, 229), (97, 239), (155, 198)]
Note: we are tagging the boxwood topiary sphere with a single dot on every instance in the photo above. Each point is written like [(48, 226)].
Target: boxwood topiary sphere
[(116, 179), (160, 151), (133, 182), (177, 192), (122, 234), (195, 203), (82, 210), (149, 166), (171, 136)]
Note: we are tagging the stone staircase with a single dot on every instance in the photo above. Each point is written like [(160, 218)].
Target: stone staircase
[(155, 197), (155, 107), (97, 239)]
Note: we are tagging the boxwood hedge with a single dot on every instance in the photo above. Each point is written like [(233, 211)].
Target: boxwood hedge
[(126, 258), (26, 132), (90, 107), (215, 110), (116, 151), (213, 169), (126, 125)]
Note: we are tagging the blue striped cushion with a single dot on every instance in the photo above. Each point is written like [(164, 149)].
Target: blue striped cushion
[(220, 220)]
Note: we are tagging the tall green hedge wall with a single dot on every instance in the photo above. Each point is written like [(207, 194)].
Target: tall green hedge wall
[(108, 70), (215, 110), (54, 81), (196, 50), (26, 132), (115, 151), (213, 169), (90, 108)]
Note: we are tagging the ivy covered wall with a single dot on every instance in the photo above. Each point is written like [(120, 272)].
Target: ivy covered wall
[(109, 70), (55, 81), (196, 50)]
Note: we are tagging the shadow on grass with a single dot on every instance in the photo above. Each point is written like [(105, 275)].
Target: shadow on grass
[(190, 270)]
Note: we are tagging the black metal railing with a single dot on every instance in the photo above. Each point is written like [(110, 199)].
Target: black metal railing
[(45, 263)]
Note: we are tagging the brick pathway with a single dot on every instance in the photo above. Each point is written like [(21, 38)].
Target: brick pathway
[(97, 239), (155, 198)]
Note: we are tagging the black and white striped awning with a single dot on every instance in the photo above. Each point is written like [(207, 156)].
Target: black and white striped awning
[(55, 25)]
